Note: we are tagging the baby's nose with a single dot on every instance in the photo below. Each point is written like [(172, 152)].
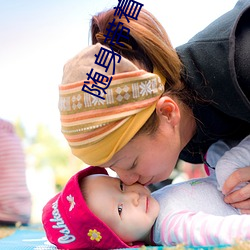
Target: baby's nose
[(133, 197)]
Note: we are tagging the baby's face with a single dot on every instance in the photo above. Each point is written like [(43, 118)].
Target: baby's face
[(130, 211)]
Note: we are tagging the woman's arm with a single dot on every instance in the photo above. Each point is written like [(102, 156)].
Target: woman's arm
[(237, 157), (233, 175), (240, 198), (231, 162)]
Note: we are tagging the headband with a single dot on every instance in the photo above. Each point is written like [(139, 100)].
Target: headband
[(97, 128)]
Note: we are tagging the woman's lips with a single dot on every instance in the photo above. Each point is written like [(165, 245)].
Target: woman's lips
[(148, 183)]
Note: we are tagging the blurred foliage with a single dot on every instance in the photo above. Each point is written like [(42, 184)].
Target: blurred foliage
[(45, 150), (20, 130)]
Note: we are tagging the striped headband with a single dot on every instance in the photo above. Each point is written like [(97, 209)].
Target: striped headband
[(97, 128)]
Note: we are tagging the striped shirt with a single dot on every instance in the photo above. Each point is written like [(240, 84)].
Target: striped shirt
[(15, 200)]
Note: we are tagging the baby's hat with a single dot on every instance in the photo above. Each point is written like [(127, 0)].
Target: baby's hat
[(69, 223)]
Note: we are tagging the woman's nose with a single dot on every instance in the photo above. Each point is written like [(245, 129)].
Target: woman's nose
[(126, 177)]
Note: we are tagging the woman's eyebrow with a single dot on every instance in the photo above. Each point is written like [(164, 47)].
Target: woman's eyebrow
[(115, 163)]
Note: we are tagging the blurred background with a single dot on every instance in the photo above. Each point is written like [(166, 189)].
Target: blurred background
[(36, 39)]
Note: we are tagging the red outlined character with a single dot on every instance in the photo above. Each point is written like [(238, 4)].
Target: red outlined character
[(101, 58), (128, 8)]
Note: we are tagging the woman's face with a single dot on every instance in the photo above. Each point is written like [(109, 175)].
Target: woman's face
[(147, 159)]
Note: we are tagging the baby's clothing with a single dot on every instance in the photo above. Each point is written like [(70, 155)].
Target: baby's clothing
[(194, 212)]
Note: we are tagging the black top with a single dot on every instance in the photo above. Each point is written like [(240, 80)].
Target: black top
[(217, 67)]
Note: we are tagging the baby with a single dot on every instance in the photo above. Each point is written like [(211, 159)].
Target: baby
[(96, 211)]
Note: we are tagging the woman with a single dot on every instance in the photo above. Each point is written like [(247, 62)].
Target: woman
[(140, 125)]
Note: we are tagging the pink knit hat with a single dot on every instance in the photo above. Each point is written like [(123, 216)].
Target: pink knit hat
[(69, 223)]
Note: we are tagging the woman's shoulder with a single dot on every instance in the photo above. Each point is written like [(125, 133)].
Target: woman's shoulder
[(209, 65)]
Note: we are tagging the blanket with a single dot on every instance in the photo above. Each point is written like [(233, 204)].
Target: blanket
[(33, 237)]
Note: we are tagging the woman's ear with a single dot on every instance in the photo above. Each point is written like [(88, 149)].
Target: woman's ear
[(168, 110)]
